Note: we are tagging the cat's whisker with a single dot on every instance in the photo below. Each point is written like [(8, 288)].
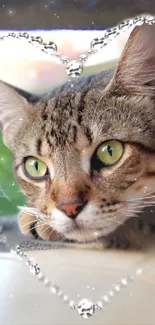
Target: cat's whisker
[(146, 196), (32, 222), (59, 237), (138, 206), (141, 199), (145, 204), (32, 211), (48, 227), (50, 233), (134, 212), (36, 226), (117, 222), (113, 219), (29, 223), (133, 215), (24, 207), (149, 202), (40, 224)]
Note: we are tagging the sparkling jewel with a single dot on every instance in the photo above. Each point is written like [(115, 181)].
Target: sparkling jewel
[(58, 55), (99, 305), (124, 282), (98, 43), (17, 249), (89, 52), (124, 25), (36, 39), (72, 304), (12, 35), (23, 35), (64, 59), (65, 298), (139, 271), (19, 252), (13, 251), (74, 68), (49, 47), (86, 308), (111, 33), (46, 282), (83, 57), (116, 287), (59, 293), (11, 12), (21, 255), (105, 298), (34, 269), (150, 20), (28, 262), (41, 277), (111, 293), (55, 289), (139, 20)]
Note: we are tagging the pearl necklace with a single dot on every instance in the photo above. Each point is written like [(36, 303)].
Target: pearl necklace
[(85, 307)]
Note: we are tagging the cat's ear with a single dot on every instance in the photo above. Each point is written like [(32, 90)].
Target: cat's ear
[(13, 110), (136, 68)]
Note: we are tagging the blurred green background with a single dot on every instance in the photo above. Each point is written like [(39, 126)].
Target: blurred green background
[(10, 195)]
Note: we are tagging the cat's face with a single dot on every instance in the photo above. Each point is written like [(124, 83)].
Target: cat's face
[(85, 156)]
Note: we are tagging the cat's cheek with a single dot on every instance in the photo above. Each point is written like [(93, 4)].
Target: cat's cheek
[(32, 190), (25, 222), (142, 187)]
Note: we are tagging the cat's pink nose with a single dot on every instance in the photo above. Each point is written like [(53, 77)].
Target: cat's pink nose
[(71, 209)]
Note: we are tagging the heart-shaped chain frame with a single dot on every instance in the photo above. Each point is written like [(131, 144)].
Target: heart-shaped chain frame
[(85, 307)]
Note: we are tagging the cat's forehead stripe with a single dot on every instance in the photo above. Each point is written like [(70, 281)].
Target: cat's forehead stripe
[(45, 149), (38, 146)]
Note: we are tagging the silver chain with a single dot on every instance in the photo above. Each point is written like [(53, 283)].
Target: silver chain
[(74, 68), (85, 307)]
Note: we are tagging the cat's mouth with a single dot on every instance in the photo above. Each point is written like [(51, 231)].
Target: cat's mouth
[(82, 234), (87, 227)]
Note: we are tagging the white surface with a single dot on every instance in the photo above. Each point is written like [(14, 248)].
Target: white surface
[(89, 273)]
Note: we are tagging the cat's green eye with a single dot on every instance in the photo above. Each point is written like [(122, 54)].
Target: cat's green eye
[(110, 152), (35, 168)]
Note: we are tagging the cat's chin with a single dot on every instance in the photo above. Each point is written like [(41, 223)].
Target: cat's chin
[(82, 235)]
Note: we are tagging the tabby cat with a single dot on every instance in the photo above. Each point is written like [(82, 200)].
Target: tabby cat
[(84, 155)]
